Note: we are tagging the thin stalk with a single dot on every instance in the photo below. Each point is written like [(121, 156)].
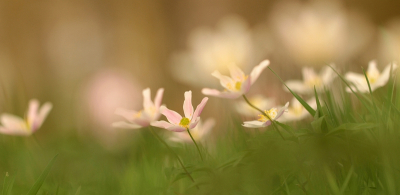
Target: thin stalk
[(255, 107), (176, 155), (201, 156)]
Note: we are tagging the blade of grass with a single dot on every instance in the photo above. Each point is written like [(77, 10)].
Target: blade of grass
[(304, 103), (35, 188)]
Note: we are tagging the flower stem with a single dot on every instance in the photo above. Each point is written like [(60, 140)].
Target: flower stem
[(263, 113), (201, 156), (176, 155)]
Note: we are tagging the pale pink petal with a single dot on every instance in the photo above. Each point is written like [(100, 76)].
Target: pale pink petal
[(142, 121), (33, 111), (176, 128), (172, 116), (224, 80), (187, 105), (8, 131), (158, 98), (256, 124), (199, 108), (236, 73), (43, 112), (193, 123), (14, 125), (255, 73), (147, 103), (282, 110), (127, 114), (246, 85), (384, 77), (162, 124), (125, 125), (297, 86), (225, 94)]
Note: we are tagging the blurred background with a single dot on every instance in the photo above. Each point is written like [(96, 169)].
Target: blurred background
[(90, 57)]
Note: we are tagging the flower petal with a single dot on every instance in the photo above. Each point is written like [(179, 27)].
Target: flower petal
[(256, 124), (172, 116), (187, 105), (43, 112), (127, 114), (14, 125), (8, 131), (308, 73), (224, 80), (358, 81), (158, 98), (245, 86), (176, 128), (193, 123), (236, 73), (384, 77), (255, 73), (199, 108), (161, 124), (372, 69), (147, 103), (225, 94), (282, 110), (125, 125), (33, 111), (327, 75)]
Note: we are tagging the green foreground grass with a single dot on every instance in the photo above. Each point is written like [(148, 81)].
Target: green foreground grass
[(351, 145)]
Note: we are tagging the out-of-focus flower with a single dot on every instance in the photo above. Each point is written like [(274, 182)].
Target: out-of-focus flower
[(14, 125), (390, 41), (313, 33), (238, 84), (263, 120), (296, 111), (142, 118), (311, 79), (199, 132), (376, 79), (259, 101), (209, 50), (178, 123)]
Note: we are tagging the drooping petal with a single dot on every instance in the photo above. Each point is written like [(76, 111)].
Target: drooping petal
[(14, 123), (224, 94), (158, 98), (384, 77), (127, 114), (199, 108), (193, 123), (255, 73), (236, 73), (33, 111), (172, 116), (147, 103), (125, 125), (282, 110), (224, 80), (162, 124), (187, 105), (255, 124), (43, 112), (297, 86)]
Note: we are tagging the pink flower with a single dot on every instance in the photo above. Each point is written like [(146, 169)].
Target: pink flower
[(238, 84), (14, 125), (264, 121), (178, 123), (142, 118)]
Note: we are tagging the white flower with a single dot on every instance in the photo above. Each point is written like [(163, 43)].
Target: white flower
[(143, 118), (259, 101), (199, 132), (296, 111), (376, 79), (178, 123), (311, 79), (263, 120), (238, 84), (14, 125)]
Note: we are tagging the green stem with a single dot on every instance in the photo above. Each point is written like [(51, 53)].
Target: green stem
[(201, 156), (263, 113), (176, 155)]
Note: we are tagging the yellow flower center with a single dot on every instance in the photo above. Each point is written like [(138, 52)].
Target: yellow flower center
[(237, 85), (270, 113), (138, 114), (315, 81), (373, 76), (184, 122)]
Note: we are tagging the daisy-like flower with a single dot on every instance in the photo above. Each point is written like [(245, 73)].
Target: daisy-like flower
[(376, 79), (259, 101), (14, 125), (238, 84), (178, 123), (311, 79), (296, 111), (263, 120), (142, 118), (199, 132)]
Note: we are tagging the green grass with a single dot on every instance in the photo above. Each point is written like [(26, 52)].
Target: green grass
[(351, 145)]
